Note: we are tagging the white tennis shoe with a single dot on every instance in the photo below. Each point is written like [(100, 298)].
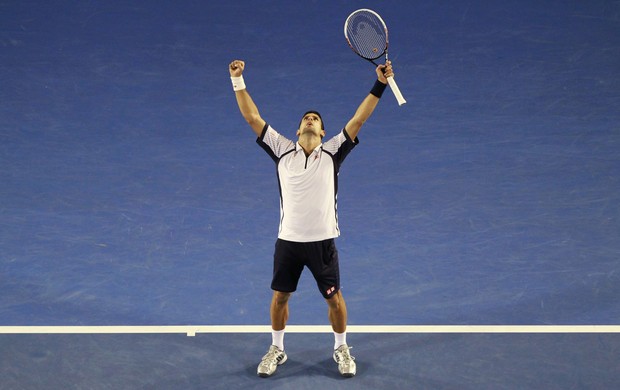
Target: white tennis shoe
[(272, 359), (346, 362)]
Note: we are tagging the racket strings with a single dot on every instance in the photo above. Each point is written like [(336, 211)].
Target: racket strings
[(367, 35)]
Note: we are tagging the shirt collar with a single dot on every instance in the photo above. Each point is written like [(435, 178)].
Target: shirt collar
[(316, 150)]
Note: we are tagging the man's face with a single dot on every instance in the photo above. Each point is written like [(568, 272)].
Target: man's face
[(311, 123)]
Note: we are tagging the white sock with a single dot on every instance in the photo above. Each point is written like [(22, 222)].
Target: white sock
[(339, 339), (277, 338)]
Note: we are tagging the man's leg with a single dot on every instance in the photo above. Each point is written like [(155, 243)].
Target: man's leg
[(279, 310), (279, 315), (337, 312)]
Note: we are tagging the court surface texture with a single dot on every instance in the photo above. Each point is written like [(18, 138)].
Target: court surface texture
[(480, 221)]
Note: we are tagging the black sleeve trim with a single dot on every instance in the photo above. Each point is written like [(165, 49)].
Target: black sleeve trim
[(263, 132), (348, 137), (261, 142)]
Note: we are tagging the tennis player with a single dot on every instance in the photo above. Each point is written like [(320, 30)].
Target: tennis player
[(308, 178)]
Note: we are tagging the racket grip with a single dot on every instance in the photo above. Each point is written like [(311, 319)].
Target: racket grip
[(399, 96)]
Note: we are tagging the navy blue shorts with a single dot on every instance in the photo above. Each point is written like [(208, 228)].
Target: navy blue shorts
[(321, 258)]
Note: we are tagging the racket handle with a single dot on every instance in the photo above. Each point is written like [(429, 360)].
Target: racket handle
[(394, 87)]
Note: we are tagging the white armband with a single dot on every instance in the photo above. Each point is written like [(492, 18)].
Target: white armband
[(238, 83)]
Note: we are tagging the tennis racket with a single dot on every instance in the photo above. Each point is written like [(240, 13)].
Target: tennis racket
[(367, 35)]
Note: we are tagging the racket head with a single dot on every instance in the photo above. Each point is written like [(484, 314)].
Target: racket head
[(366, 34)]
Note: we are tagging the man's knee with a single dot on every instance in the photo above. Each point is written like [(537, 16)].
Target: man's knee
[(335, 300), (281, 298)]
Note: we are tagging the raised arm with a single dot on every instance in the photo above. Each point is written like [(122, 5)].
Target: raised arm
[(368, 105), (246, 104)]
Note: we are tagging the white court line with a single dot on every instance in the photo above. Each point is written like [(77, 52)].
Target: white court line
[(193, 330)]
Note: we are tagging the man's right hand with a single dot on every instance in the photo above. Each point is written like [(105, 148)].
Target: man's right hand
[(236, 68)]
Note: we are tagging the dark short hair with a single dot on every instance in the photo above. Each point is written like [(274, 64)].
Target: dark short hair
[(313, 112)]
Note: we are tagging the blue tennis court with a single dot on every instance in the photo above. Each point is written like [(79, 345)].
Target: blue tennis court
[(132, 193)]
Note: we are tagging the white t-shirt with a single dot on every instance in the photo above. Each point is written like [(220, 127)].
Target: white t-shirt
[(308, 185)]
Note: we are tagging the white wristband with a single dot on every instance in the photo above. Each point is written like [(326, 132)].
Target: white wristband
[(238, 83)]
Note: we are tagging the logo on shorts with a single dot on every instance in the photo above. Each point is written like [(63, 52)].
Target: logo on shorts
[(331, 290)]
